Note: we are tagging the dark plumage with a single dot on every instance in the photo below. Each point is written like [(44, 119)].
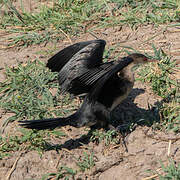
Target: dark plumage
[(90, 112), (75, 60), (81, 71)]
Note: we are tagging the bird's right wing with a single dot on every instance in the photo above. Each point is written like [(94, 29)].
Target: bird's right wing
[(87, 58), (57, 62)]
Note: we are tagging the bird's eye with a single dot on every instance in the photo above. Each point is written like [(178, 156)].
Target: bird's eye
[(145, 59)]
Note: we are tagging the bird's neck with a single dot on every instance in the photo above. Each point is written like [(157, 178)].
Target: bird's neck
[(127, 73)]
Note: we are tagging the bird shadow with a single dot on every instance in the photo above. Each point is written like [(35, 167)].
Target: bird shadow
[(126, 117), (128, 113)]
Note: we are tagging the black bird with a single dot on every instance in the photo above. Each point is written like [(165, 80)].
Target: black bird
[(109, 88), (90, 112), (80, 66)]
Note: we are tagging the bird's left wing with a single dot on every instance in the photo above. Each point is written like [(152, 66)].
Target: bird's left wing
[(91, 76), (98, 86)]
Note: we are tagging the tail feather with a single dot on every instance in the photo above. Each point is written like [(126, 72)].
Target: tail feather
[(49, 123)]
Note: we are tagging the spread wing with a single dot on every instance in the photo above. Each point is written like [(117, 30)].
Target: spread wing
[(98, 86), (57, 62), (91, 76), (83, 61)]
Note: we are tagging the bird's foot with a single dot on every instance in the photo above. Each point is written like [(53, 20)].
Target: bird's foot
[(119, 132)]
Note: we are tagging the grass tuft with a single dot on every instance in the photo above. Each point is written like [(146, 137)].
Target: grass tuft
[(28, 140), (31, 92), (160, 75), (172, 171), (63, 172), (161, 78), (108, 137), (86, 161)]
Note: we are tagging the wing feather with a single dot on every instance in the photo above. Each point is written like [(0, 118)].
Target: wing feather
[(56, 62)]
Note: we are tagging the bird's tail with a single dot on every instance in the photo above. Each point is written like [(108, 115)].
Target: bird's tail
[(50, 123)]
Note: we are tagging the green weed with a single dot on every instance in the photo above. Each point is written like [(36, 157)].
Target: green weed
[(172, 171), (30, 92), (109, 137), (161, 79), (169, 172), (86, 162), (28, 140), (63, 172), (160, 75), (170, 114)]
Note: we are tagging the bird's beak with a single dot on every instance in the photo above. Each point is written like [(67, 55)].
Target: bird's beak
[(152, 60)]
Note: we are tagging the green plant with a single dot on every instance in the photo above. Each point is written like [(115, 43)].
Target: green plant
[(28, 140), (172, 171), (169, 113), (28, 92), (159, 75), (108, 136), (63, 172), (86, 162)]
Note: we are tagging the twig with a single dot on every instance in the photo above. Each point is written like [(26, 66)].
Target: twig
[(30, 6), (58, 162), (64, 149), (66, 35), (169, 147), (153, 176), (150, 177), (12, 7), (14, 167), (91, 33), (61, 157), (108, 150)]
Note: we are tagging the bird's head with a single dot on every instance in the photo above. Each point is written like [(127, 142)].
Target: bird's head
[(140, 58)]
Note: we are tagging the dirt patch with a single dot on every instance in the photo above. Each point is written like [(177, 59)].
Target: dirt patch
[(143, 154), (112, 162)]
